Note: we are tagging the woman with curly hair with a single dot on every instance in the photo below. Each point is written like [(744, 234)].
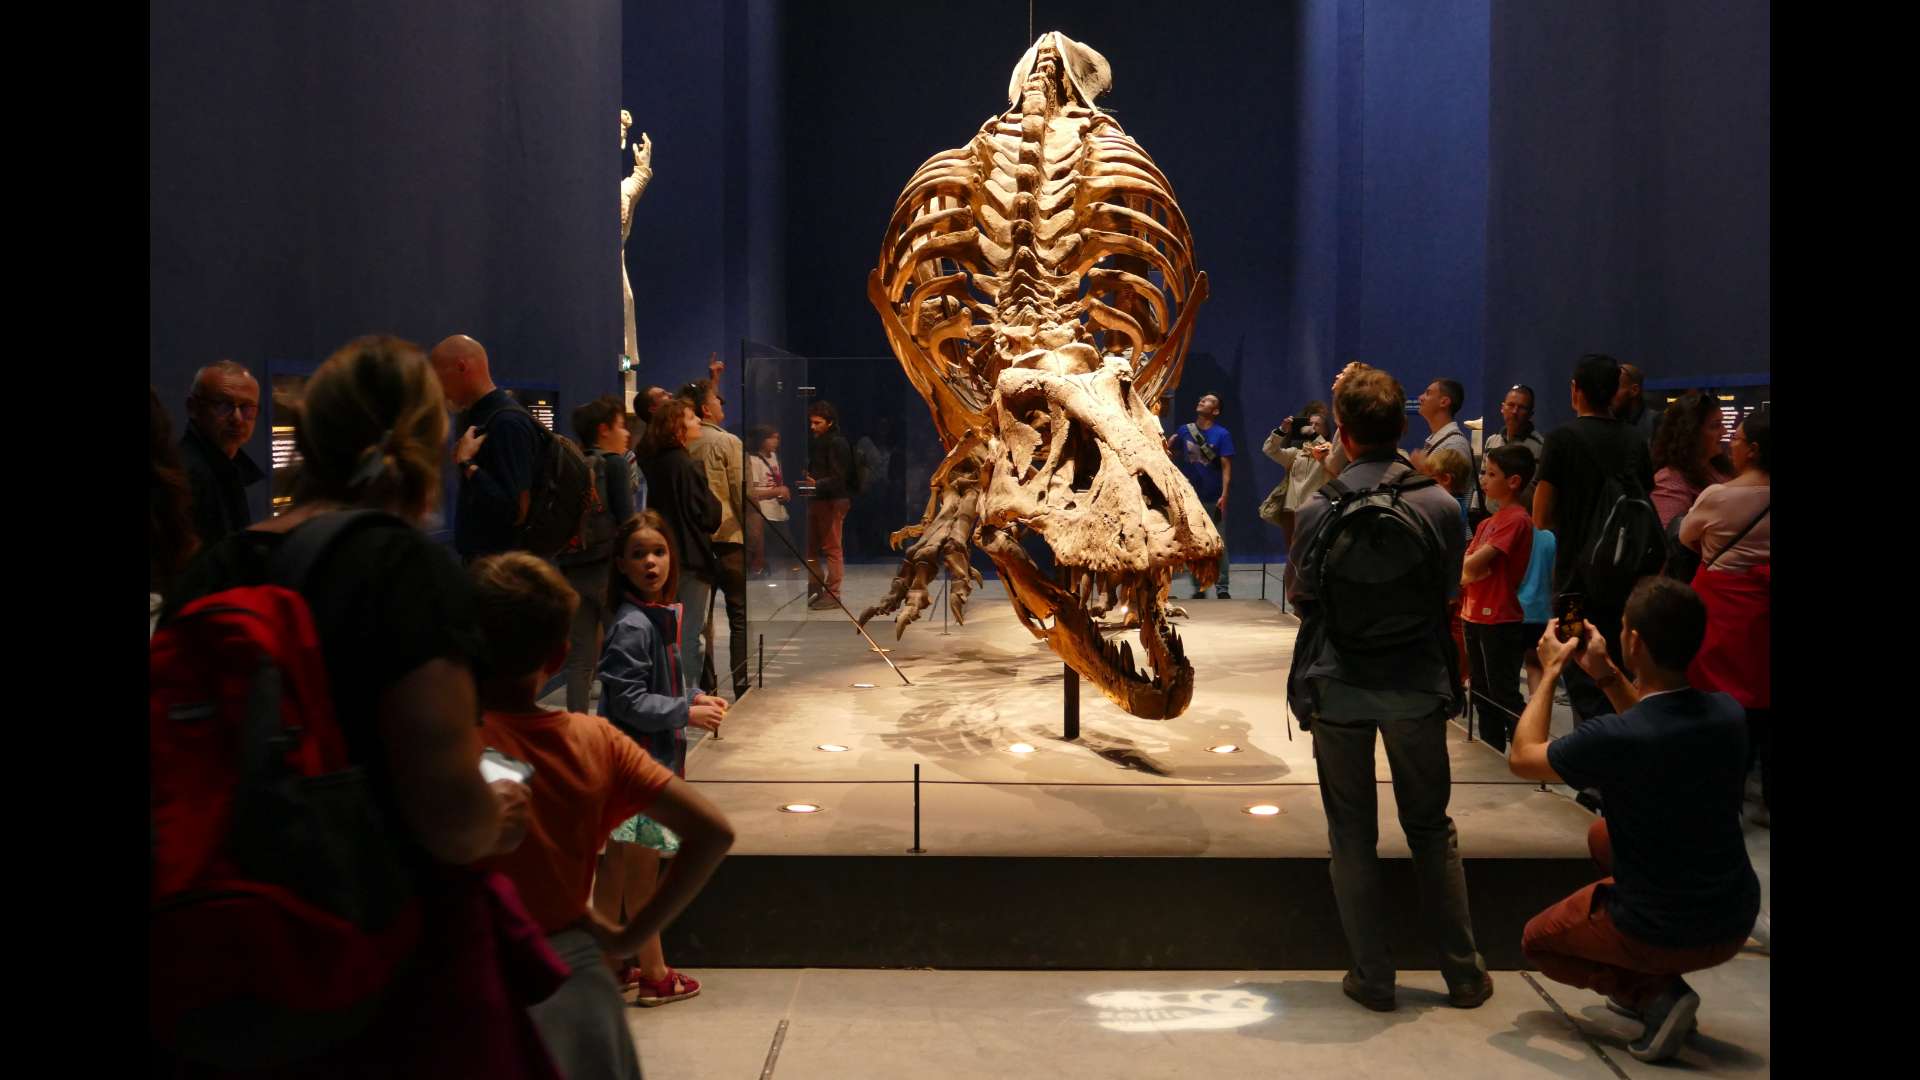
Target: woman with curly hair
[(1686, 454)]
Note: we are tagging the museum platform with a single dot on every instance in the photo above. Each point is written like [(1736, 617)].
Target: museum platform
[(1130, 848)]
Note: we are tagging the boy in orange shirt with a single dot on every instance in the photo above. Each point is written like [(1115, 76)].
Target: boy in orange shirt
[(1490, 578), (587, 778)]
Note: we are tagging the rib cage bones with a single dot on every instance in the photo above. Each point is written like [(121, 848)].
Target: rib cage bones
[(1016, 283)]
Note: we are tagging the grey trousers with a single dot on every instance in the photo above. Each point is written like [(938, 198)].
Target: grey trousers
[(1422, 784), (583, 643), (584, 1023)]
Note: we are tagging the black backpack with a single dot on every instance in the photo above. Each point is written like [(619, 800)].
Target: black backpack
[(1380, 580), (1625, 541), (594, 542), (557, 502), (1380, 570)]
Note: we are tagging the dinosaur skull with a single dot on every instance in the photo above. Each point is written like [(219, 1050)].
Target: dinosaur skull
[(1077, 462)]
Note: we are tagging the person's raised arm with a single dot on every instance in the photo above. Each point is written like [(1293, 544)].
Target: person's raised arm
[(1527, 753), (1277, 449), (426, 723), (1621, 694), (705, 837)]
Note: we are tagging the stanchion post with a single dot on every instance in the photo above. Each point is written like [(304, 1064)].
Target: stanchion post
[(763, 662), (916, 849), (1072, 702)]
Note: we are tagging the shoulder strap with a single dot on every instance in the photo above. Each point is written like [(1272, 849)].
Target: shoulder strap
[(306, 544), (1741, 535)]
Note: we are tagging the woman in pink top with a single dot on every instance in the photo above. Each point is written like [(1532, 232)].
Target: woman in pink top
[(1731, 526), (1686, 454)]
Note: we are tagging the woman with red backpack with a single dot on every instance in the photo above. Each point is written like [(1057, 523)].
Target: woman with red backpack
[(316, 781)]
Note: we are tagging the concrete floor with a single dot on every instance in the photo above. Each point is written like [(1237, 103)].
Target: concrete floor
[(887, 1023), (856, 1024)]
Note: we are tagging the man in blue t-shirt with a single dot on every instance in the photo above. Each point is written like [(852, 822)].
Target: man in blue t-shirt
[(1670, 764), (1204, 452)]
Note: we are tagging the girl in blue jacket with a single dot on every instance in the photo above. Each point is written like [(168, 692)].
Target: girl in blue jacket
[(643, 692)]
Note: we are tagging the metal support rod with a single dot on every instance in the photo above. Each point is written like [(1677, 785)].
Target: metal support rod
[(763, 662), (1072, 703), (916, 849), (946, 580), (815, 574)]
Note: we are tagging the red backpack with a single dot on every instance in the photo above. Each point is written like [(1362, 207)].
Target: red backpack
[(280, 908)]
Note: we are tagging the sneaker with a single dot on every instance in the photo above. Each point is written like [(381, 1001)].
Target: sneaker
[(1616, 1005), (1669, 1018), (1350, 986), (1198, 594), (675, 987), (823, 603), (1472, 996), (1222, 595)]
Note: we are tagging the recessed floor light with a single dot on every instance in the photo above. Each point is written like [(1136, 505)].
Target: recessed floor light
[(1223, 748), (1262, 810), (831, 748), (863, 686), (801, 808), (1021, 748)]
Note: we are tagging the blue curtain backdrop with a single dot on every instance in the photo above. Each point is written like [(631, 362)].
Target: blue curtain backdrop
[(320, 171)]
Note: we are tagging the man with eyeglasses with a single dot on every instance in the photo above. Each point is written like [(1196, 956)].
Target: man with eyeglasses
[(720, 453), (221, 409), (1516, 411)]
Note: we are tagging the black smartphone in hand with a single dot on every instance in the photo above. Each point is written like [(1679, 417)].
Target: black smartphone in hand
[(1569, 615)]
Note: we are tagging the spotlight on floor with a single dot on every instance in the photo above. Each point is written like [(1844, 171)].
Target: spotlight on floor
[(831, 748), (863, 686), (1223, 748), (1021, 748), (801, 808), (1262, 810)]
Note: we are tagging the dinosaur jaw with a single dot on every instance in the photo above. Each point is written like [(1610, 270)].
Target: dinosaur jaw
[(1111, 628)]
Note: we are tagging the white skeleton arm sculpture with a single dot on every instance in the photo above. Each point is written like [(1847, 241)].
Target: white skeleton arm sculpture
[(630, 189), (1016, 282)]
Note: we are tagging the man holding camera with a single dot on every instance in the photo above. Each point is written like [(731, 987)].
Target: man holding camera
[(1670, 763), (1301, 445)]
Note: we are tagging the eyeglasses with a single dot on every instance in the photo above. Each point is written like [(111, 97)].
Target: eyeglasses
[(224, 408)]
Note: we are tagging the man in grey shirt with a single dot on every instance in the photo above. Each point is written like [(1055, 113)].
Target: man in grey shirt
[(1406, 697), (1516, 415)]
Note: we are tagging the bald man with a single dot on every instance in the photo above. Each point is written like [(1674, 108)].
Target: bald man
[(221, 410), (493, 456)]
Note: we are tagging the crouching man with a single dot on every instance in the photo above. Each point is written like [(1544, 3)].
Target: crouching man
[(1670, 762)]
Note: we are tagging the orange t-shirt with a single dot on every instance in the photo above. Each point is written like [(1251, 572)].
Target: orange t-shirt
[(587, 779)]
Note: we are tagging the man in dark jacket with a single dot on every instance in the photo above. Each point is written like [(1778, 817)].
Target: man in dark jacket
[(1406, 697), (830, 471), (220, 415), (494, 455)]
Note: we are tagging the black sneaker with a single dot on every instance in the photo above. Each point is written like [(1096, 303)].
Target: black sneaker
[(1223, 595), (1198, 594), (1668, 1019), (1471, 996), (1350, 986)]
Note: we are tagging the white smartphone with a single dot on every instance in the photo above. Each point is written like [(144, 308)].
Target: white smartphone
[(495, 765)]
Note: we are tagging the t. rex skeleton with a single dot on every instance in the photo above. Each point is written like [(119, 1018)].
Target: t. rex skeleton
[(1039, 290)]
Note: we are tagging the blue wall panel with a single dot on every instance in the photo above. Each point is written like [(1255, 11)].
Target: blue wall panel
[(420, 169)]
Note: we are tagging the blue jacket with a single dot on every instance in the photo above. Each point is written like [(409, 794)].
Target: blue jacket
[(642, 690)]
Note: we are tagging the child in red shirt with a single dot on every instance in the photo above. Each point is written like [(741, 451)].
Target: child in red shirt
[(1490, 578), (587, 778)]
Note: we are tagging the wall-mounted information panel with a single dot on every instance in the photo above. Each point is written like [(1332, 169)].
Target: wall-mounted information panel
[(542, 401), (287, 390)]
